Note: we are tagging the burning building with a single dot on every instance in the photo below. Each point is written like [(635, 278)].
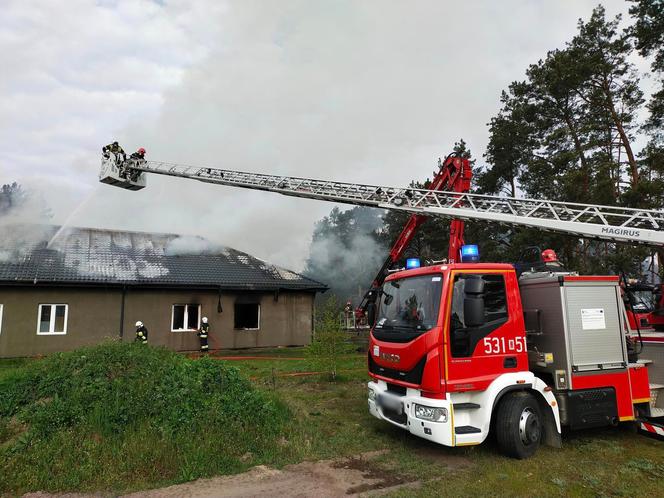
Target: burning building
[(60, 290)]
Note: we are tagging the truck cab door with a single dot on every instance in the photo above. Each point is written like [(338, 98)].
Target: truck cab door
[(485, 331)]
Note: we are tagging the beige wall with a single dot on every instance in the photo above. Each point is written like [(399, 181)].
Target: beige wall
[(95, 314)]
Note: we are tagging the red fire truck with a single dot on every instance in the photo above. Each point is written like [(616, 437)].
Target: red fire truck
[(460, 350), (463, 350)]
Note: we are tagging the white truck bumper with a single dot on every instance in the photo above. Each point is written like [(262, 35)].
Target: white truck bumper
[(400, 411)]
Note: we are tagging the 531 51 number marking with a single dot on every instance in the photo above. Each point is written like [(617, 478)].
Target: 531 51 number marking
[(498, 345)]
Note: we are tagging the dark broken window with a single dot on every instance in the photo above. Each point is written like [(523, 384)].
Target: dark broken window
[(247, 316), (185, 317)]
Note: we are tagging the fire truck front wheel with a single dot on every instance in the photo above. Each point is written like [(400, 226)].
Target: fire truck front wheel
[(518, 425)]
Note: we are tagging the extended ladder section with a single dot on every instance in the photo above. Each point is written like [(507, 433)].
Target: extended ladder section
[(617, 224)]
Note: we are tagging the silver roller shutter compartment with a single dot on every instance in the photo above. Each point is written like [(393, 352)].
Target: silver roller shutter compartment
[(595, 336)]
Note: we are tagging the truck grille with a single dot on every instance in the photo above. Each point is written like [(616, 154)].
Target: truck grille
[(394, 416), (394, 388), (413, 376)]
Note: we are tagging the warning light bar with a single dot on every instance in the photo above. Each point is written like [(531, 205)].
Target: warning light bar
[(470, 254), (412, 263)]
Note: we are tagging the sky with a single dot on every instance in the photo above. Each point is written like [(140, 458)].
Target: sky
[(355, 91)]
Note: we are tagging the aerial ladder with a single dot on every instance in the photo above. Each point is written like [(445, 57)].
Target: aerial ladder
[(590, 221)]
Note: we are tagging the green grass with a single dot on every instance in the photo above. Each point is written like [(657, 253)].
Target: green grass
[(126, 416), (263, 371), (8, 366), (334, 422), (324, 420)]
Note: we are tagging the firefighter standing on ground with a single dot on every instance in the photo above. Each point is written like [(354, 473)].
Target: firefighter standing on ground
[(141, 333), (203, 335), (348, 312)]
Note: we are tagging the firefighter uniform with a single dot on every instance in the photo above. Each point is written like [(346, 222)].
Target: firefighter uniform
[(141, 333), (139, 155), (203, 336), (114, 148)]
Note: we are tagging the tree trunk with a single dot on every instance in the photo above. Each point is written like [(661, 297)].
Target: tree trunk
[(579, 151), (631, 159)]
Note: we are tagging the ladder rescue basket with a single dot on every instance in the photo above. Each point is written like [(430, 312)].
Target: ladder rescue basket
[(120, 174)]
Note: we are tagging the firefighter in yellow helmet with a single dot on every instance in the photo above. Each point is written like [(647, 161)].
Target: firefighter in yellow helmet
[(115, 149), (141, 333), (203, 335)]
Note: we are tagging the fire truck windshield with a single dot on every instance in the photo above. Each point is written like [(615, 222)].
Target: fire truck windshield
[(408, 307)]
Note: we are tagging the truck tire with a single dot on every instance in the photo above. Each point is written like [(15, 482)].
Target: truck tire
[(518, 425)]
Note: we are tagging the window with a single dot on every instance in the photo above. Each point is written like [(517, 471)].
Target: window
[(408, 308), (464, 338), (185, 317), (247, 316), (52, 319)]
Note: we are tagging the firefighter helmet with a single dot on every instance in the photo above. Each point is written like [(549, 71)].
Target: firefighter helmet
[(205, 319), (141, 151), (139, 323), (549, 256)]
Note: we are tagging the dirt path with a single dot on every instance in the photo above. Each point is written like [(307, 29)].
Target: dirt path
[(345, 477), (322, 479)]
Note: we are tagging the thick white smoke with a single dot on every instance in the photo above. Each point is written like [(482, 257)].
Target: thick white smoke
[(366, 91), (191, 246)]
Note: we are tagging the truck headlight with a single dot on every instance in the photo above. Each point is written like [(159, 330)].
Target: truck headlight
[(372, 395), (430, 413)]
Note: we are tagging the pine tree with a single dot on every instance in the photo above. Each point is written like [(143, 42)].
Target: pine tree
[(648, 34)]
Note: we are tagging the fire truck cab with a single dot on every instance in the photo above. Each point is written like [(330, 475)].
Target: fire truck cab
[(460, 351)]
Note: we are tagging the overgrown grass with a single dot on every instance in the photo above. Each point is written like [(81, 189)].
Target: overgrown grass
[(125, 416), (324, 420)]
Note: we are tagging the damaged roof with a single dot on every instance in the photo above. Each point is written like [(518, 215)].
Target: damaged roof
[(42, 254)]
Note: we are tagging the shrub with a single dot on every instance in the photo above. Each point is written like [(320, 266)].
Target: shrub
[(330, 342)]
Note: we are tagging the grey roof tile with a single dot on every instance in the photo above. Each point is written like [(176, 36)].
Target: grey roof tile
[(94, 256)]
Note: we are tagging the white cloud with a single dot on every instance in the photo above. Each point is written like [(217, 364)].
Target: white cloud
[(355, 91)]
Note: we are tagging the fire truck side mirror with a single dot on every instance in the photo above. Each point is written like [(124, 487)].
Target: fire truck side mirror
[(473, 302), (473, 311), (371, 314)]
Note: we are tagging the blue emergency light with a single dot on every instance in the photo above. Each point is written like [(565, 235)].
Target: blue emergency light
[(412, 263), (470, 254)]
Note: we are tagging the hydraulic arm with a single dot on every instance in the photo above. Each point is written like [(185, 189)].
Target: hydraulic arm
[(454, 175)]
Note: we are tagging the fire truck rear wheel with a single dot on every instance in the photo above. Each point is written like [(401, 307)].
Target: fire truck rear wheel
[(518, 425)]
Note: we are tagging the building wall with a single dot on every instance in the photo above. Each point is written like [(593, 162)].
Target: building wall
[(94, 314), (284, 322)]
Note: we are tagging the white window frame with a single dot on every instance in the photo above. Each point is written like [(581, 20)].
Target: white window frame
[(186, 313), (259, 317), (51, 326)]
